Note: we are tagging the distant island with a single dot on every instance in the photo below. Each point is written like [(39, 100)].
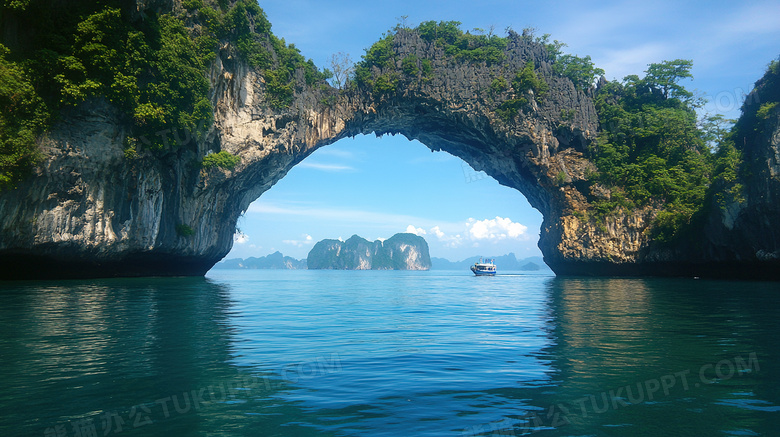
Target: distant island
[(277, 261), (400, 252)]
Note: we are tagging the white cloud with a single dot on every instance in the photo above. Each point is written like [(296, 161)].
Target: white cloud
[(758, 19), (495, 229), (326, 167), (240, 237), (334, 151), (417, 231), (453, 241), (342, 215), (474, 232), (306, 239), (450, 241), (747, 27)]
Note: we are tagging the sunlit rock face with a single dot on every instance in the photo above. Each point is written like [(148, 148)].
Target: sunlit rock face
[(89, 211)]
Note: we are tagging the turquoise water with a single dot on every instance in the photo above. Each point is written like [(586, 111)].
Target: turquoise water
[(389, 353)]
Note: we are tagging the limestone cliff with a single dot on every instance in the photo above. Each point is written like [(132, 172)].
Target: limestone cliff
[(741, 237), (90, 210), (736, 235), (399, 252)]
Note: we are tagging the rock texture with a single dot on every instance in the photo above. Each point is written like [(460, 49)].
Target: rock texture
[(90, 211), (399, 252)]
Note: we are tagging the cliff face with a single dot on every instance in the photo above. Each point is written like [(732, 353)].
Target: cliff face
[(399, 252), (90, 211), (741, 237)]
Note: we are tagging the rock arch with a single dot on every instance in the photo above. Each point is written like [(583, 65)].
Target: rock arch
[(541, 152), (90, 211)]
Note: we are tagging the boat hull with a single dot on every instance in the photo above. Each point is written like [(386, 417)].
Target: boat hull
[(479, 272)]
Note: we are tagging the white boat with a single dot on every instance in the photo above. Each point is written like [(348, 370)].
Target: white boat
[(486, 268)]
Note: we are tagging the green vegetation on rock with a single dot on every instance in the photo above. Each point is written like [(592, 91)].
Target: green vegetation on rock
[(525, 80), (221, 159), (650, 149), (464, 45), (184, 230), (23, 118), (378, 72), (757, 111), (152, 67), (759, 106), (581, 71), (248, 27), (457, 44), (380, 56), (409, 65)]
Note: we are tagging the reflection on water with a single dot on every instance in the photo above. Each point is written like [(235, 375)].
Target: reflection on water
[(665, 356), (129, 357), (388, 353)]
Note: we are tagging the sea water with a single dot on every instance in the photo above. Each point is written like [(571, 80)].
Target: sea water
[(389, 353)]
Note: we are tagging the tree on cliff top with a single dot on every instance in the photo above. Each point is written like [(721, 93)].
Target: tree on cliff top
[(581, 71), (666, 75), (650, 148), (341, 68)]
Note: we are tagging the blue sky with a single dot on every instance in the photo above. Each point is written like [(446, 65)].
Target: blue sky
[(376, 187)]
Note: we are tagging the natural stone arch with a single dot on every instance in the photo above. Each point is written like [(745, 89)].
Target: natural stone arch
[(540, 152), (92, 212)]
